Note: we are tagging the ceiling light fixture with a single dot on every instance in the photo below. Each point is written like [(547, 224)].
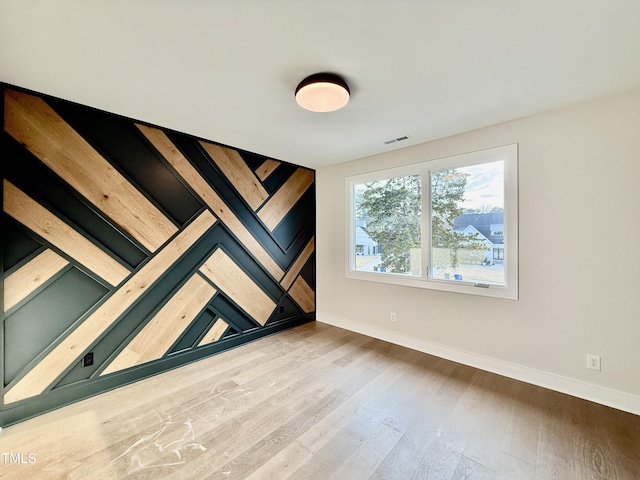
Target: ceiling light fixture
[(322, 92)]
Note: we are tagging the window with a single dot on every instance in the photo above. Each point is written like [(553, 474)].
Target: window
[(448, 224)]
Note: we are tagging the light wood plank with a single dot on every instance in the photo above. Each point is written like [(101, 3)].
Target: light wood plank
[(438, 464), (215, 332), (238, 286), (298, 264), (267, 168), (286, 197), (303, 295), (162, 331), (238, 173), (44, 133), (184, 168), (470, 470), (365, 459), (74, 345), (490, 438), (54, 230), (31, 276), (283, 464), (552, 460)]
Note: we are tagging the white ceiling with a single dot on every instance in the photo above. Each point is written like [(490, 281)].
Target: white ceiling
[(226, 70)]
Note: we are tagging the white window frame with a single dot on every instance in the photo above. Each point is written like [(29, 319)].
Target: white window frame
[(507, 153)]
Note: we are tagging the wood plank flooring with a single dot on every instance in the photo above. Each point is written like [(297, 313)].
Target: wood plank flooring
[(319, 402)]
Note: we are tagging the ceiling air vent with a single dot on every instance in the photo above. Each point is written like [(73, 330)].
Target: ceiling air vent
[(399, 139)]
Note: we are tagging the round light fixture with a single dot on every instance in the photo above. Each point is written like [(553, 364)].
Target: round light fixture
[(322, 92)]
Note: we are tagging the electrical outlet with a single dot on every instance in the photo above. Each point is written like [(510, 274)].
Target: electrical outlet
[(593, 362), (392, 316), (87, 360)]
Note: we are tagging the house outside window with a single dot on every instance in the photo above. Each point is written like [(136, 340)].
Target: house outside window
[(447, 224)]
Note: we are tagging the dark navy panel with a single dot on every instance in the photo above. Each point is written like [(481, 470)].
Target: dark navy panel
[(39, 182), (34, 326), (279, 177), (297, 218), (120, 142), (18, 246), (195, 332)]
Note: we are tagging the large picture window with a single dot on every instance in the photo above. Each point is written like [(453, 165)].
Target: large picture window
[(447, 224)]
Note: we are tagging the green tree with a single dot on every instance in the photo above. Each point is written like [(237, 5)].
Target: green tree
[(390, 210)]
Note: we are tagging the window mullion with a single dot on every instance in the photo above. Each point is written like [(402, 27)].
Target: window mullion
[(426, 221)]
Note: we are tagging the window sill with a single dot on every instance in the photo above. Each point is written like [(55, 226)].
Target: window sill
[(452, 286)]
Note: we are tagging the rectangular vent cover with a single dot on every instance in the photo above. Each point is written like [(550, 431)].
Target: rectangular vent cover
[(399, 139)]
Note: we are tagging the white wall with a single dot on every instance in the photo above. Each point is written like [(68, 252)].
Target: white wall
[(579, 175)]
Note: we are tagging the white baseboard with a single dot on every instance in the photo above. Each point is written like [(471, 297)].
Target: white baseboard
[(605, 396)]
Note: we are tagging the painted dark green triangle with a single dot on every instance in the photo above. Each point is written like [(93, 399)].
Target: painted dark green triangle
[(18, 246), (286, 309), (230, 332), (308, 272), (252, 160)]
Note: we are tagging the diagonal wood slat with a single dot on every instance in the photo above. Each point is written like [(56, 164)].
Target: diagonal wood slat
[(31, 276), (238, 173), (303, 295), (202, 188), (238, 286), (267, 168), (298, 264), (72, 347), (157, 336), (285, 198), (44, 133), (54, 230), (215, 332)]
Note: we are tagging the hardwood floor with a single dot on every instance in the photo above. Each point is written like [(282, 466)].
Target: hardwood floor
[(318, 402)]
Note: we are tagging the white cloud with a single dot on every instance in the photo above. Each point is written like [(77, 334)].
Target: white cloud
[(485, 185)]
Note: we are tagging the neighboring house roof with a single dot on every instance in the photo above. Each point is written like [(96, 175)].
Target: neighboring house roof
[(361, 232), (471, 230), (482, 223)]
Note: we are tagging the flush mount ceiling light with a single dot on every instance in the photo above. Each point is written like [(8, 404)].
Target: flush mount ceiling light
[(322, 92)]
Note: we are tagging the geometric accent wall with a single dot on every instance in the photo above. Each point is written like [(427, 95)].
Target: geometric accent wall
[(143, 247)]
